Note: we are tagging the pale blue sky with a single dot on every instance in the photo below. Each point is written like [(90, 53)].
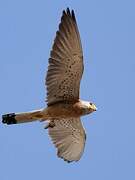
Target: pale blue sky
[(107, 28)]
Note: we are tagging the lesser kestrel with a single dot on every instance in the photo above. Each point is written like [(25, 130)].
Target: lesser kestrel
[(64, 107)]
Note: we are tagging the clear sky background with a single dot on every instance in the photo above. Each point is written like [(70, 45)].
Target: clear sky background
[(107, 28)]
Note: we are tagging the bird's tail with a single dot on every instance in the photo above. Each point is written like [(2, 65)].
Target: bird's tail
[(16, 118)]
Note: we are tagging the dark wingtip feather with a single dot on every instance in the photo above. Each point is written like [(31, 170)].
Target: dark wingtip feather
[(73, 15), (68, 11), (63, 12), (66, 160)]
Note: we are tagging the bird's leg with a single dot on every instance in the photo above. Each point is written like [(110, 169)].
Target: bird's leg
[(51, 124)]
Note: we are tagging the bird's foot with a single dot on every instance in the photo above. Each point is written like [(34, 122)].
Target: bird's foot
[(50, 125)]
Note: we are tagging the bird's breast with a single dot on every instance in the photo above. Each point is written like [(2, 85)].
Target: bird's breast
[(62, 111)]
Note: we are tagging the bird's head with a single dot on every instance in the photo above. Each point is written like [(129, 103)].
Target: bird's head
[(87, 107), (92, 107)]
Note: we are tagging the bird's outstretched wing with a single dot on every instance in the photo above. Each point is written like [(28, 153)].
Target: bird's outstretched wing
[(65, 63), (68, 136)]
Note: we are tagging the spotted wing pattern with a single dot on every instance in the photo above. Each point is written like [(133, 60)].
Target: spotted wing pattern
[(68, 136), (65, 63)]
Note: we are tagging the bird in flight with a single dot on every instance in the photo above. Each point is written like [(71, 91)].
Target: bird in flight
[(64, 107)]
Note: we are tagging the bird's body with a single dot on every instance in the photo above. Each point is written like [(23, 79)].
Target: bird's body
[(65, 110), (56, 111), (64, 107)]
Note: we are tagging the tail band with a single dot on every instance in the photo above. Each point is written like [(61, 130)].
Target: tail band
[(9, 118)]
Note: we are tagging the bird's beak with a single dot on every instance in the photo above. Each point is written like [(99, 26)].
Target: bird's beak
[(94, 107)]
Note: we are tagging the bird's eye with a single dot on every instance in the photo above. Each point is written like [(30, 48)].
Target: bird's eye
[(91, 104)]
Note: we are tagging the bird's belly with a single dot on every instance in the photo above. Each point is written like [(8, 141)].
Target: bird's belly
[(60, 112)]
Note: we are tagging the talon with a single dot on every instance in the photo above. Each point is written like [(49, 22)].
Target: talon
[(47, 126), (50, 125)]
